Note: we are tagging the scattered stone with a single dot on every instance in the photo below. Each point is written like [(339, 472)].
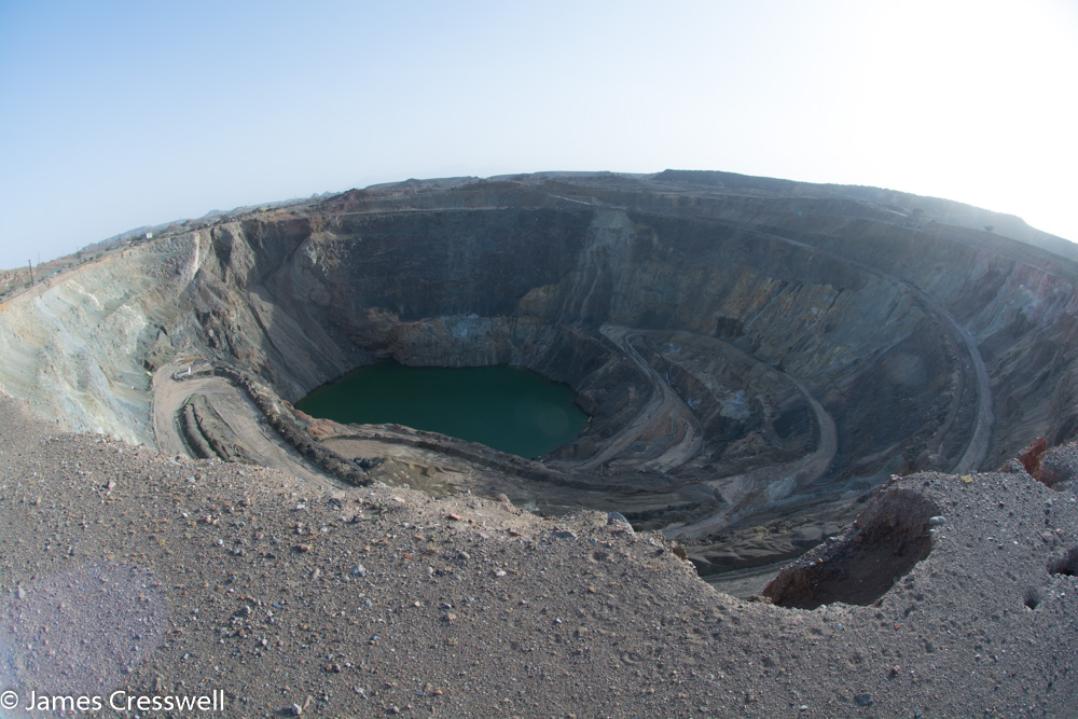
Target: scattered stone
[(522, 638)]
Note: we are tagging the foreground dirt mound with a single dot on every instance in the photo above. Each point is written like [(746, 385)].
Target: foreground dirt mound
[(124, 568)]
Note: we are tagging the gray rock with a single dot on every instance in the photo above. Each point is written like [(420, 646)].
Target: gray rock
[(617, 519)]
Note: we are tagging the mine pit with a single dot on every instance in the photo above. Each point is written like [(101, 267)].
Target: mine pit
[(727, 364), (464, 434)]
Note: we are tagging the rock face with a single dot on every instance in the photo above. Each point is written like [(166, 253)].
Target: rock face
[(755, 354)]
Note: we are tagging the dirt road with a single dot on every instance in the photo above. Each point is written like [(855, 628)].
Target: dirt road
[(664, 407), (242, 416), (775, 482)]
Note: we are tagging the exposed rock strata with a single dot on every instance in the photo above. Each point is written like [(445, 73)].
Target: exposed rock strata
[(756, 354)]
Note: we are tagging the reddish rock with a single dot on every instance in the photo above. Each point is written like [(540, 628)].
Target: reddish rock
[(1030, 457)]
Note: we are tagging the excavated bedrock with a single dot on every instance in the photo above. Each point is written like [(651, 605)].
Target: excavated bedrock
[(755, 355)]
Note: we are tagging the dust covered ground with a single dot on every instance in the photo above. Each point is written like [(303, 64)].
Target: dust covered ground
[(125, 569)]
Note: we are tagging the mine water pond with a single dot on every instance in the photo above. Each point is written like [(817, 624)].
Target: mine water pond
[(510, 409)]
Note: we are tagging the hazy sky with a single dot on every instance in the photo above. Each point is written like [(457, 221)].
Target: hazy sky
[(114, 114)]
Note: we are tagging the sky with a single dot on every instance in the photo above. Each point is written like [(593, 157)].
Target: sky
[(115, 115)]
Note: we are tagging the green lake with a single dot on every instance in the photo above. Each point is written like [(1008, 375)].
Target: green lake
[(511, 409)]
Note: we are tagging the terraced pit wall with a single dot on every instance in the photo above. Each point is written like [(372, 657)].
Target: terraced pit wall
[(716, 329)]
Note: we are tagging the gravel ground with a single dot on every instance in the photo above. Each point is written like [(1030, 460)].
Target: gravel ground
[(126, 569)]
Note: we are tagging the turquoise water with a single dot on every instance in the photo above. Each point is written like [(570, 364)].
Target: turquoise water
[(510, 409)]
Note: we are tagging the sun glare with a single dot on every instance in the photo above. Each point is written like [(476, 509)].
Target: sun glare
[(969, 101)]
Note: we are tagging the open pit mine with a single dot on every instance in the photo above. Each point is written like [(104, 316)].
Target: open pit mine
[(827, 465)]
